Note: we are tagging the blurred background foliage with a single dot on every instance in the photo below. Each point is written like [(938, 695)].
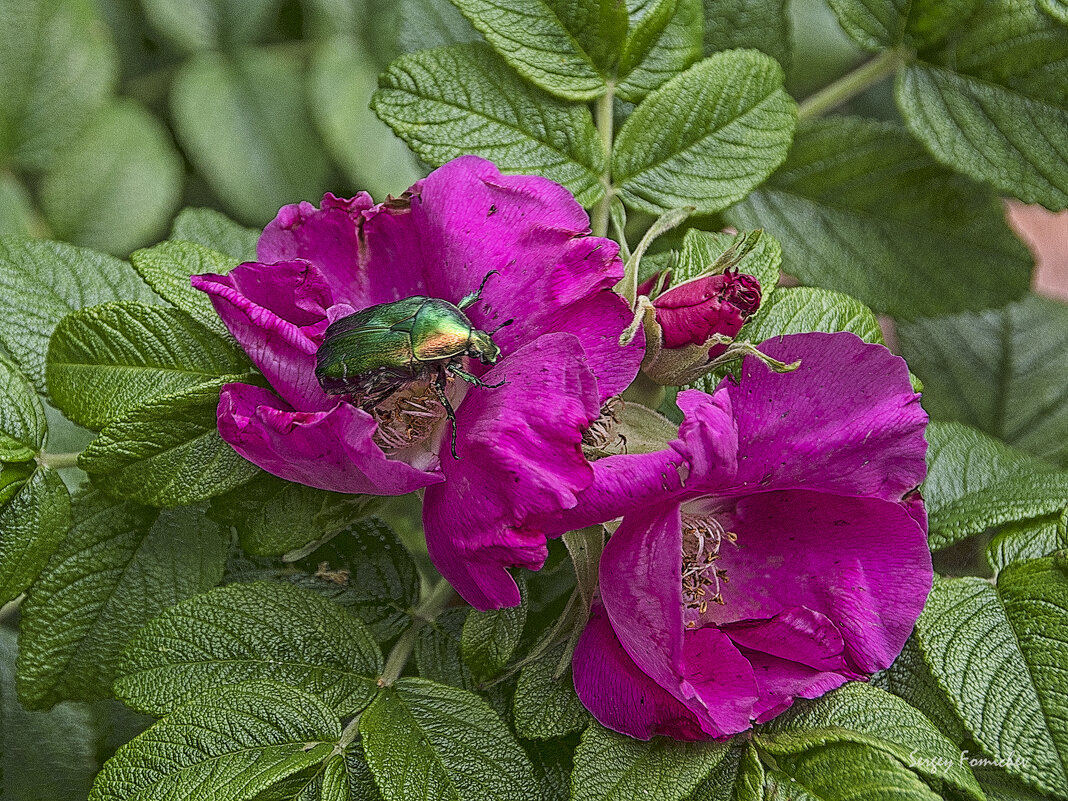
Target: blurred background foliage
[(116, 113)]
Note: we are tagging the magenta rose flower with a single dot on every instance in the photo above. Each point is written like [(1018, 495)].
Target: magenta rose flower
[(520, 444), (774, 551)]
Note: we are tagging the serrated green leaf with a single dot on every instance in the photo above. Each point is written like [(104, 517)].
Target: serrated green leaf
[(22, 416), (437, 651), (117, 185), (106, 361), (547, 707), (13, 476), (645, 66), (707, 137), (860, 208), (167, 268), (1058, 9), (999, 655), (489, 638), (702, 249), (552, 761), (1023, 540), (341, 778), (424, 742), (1003, 372), (216, 231), (57, 66), (463, 99), (32, 525), (862, 714), (243, 123), (730, 780), (42, 755), (801, 309), (611, 766), (211, 24), (531, 35), (878, 24), (975, 482), (232, 634), (763, 24), (120, 566), (43, 282), (228, 743), (342, 78)]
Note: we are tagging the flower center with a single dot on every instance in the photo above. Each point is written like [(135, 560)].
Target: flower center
[(602, 438), (408, 416), (702, 581)]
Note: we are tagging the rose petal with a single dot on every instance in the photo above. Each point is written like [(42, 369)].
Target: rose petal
[(780, 682), (798, 634), (331, 450), (719, 682), (520, 449)]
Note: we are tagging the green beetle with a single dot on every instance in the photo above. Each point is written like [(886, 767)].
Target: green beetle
[(380, 349)]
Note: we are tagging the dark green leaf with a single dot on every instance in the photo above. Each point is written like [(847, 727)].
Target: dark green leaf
[(57, 66), (437, 651), (533, 38), (552, 761), (211, 24), (226, 745), (544, 706), (611, 766), (706, 137), (878, 24), (1000, 655), (32, 525), (763, 24), (341, 81), (240, 632), (490, 638), (1003, 372), (167, 453), (167, 268), (463, 99), (653, 53), (43, 282), (244, 125), (117, 185), (216, 231), (120, 566), (106, 361), (1028, 539), (975, 483), (425, 742), (860, 208), (1058, 9), (22, 417)]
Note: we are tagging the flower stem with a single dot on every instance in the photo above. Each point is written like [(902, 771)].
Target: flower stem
[(429, 608), (603, 116), (851, 84), (58, 460)]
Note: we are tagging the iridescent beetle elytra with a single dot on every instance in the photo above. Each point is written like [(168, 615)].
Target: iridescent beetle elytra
[(383, 348)]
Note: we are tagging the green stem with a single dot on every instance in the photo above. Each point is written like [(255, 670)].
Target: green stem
[(850, 85), (58, 460), (429, 608), (603, 116)]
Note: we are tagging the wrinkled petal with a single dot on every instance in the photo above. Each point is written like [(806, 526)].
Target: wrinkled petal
[(846, 421), (798, 634), (328, 237), (861, 562), (780, 682), (718, 684), (708, 441), (520, 449), (331, 450), (618, 694), (277, 313)]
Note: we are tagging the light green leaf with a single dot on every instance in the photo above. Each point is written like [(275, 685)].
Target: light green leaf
[(425, 742), (1023, 540), (167, 268), (22, 416), (546, 707), (432, 23), (707, 137), (17, 214), (341, 79), (975, 483), (226, 745), (32, 525), (611, 766), (211, 24), (43, 282), (802, 309), (739, 776), (341, 778), (1000, 655), (761, 24), (702, 249), (647, 62), (879, 24), (167, 453), (117, 185), (264, 630), (1058, 9), (862, 714), (490, 638), (106, 361), (57, 66), (120, 566), (1003, 372), (463, 99), (532, 37), (42, 755), (860, 208), (243, 123), (216, 231)]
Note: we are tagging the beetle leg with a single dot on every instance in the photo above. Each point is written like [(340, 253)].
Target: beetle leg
[(460, 372), (469, 299), (438, 386)]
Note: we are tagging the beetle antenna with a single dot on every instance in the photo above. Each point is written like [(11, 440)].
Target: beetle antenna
[(502, 325), (469, 299)]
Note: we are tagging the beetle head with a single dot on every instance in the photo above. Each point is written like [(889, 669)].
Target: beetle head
[(482, 347)]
